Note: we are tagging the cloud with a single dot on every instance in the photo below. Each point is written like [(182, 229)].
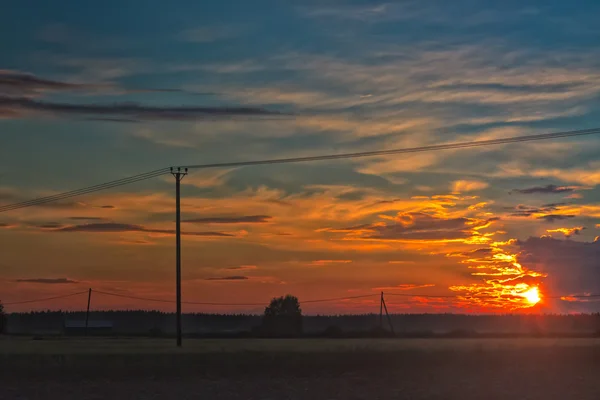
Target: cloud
[(329, 262), (208, 34), (19, 83), (48, 225), (361, 13), (483, 252), (245, 219), (571, 267), (405, 286), (548, 189), (468, 186), (242, 268), (110, 227), (23, 105), (568, 232), (547, 212), (556, 217), (86, 218), (49, 281), (228, 278), (420, 226)]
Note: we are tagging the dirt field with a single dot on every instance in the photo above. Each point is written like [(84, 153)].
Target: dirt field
[(300, 369)]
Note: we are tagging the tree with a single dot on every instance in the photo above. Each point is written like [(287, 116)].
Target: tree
[(283, 317), (2, 319)]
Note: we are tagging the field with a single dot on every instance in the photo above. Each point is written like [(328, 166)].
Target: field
[(300, 369)]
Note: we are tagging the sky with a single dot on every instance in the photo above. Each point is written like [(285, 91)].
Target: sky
[(92, 93)]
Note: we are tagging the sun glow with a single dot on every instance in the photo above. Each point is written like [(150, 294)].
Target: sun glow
[(532, 295)]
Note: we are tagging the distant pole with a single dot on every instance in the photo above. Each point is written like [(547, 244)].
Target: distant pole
[(381, 312), (388, 316), (178, 177), (87, 314)]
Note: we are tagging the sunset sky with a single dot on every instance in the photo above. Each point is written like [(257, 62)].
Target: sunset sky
[(91, 92)]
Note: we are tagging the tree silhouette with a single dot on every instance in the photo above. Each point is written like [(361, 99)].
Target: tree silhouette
[(283, 317), (2, 319)]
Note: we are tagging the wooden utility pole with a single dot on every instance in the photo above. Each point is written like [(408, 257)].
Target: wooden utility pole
[(381, 312), (178, 177), (87, 314), (387, 314)]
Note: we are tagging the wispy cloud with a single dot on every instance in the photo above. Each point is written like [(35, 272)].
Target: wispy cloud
[(47, 281), (243, 219), (405, 286), (242, 268), (568, 232), (110, 227), (21, 106), (330, 262), (228, 278), (208, 34), (468, 186), (548, 189)]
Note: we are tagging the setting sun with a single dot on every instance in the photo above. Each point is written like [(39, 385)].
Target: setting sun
[(532, 295)]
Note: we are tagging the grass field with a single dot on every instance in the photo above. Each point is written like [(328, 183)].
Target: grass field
[(300, 369)]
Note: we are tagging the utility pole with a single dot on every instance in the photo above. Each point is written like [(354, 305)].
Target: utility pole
[(381, 312), (388, 315), (87, 314), (178, 177)]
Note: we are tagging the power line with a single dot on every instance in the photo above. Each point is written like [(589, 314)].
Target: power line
[(262, 304), (228, 304), (449, 146), (132, 297), (44, 299), (447, 296), (86, 190), (153, 174)]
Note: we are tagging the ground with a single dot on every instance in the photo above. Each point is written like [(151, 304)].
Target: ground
[(300, 369)]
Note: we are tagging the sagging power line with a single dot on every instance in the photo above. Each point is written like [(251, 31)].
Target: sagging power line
[(310, 301), (163, 171)]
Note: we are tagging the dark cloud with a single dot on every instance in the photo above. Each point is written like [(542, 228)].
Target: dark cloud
[(49, 225), (545, 212), (107, 207), (352, 195), (5, 225), (86, 218), (21, 105), (244, 219), (126, 120), (117, 227), (572, 267), (19, 83), (48, 281), (242, 268), (546, 189), (555, 217), (228, 278), (420, 226), (484, 252)]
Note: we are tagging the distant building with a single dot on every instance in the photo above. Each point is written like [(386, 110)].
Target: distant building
[(77, 327)]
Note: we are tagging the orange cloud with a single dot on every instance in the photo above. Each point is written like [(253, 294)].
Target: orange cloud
[(568, 232), (468, 186)]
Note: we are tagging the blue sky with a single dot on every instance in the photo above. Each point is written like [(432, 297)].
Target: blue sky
[(95, 93)]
